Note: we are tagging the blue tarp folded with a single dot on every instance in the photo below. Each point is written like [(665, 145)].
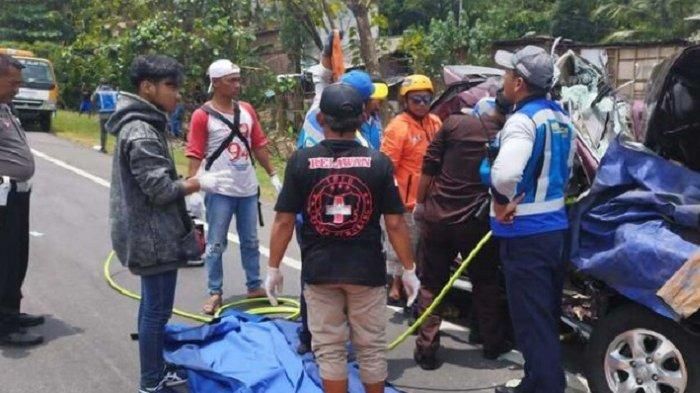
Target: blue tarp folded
[(243, 353), (638, 225)]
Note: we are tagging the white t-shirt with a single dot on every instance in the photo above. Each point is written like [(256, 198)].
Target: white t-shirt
[(207, 133)]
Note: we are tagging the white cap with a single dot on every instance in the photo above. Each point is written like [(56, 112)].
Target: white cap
[(220, 68)]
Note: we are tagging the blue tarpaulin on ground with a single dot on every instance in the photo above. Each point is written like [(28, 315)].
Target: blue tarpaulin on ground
[(243, 353), (638, 225)]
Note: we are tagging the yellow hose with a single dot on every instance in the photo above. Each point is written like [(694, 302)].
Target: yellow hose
[(442, 294), (291, 306), (287, 305)]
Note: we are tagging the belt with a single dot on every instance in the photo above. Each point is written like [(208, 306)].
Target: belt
[(18, 186)]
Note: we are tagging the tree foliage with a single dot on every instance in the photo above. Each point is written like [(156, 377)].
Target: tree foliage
[(88, 40), (35, 20)]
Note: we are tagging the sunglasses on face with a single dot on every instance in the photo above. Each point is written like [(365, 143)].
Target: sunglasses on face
[(421, 99)]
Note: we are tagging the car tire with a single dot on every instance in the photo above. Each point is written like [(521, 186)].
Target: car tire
[(632, 344), (45, 122)]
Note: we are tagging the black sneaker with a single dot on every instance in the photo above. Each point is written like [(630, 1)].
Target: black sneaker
[(174, 377), (303, 348), (21, 338), (474, 337), (426, 362), (494, 353), (505, 389), (28, 320)]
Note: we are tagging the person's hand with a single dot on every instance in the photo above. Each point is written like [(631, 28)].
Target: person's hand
[(195, 204), (273, 284), (276, 183), (506, 213), (328, 44), (215, 181), (411, 285), (419, 212)]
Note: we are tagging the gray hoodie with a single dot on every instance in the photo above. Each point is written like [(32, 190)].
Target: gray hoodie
[(151, 231)]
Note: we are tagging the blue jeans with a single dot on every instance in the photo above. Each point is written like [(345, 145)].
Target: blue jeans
[(534, 268), (157, 297), (220, 210)]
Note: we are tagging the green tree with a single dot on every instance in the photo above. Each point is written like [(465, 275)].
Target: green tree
[(30, 21), (646, 19), (573, 19)]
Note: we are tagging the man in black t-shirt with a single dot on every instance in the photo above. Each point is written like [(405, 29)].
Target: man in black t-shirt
[(342, 190)]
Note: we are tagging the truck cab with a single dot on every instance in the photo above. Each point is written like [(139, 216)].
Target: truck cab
[(38, 94)]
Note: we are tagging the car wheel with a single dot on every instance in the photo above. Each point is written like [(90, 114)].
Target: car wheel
[(634, 350)]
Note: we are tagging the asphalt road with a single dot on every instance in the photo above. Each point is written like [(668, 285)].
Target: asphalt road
[(88, 348)]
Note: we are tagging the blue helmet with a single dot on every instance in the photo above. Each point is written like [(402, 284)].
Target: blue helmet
[(361, 81)]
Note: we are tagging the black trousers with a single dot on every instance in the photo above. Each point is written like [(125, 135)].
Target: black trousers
[(439, 246), (14, 254)]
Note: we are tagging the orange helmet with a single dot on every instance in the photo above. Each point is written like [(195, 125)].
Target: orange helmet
[(415, 82)]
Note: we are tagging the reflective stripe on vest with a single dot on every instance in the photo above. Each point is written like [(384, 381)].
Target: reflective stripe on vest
[(548, 169)]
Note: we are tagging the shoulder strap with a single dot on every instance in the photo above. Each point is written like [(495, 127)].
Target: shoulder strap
[(235, 132)]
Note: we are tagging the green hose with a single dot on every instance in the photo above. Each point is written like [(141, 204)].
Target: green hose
[(286, 305), (291, 306), (442, 294)]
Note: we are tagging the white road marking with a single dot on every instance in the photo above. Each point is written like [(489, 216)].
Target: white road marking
[(291, 262), (36, 234)]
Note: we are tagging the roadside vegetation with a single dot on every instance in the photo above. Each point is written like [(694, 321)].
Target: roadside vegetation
[(85, 130)]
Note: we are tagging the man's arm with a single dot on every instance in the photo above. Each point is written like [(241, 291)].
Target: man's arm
[(432, 163), (197, 141), (392, 144), (423, 185), (193, 166), (517, 141), (263, 156), (281, 234), (397, 229)]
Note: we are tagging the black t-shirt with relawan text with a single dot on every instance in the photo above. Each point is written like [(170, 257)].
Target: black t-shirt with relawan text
[(342, 189)]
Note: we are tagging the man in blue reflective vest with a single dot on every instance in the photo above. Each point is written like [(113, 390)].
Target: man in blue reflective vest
[(528, 181), (105, 99)]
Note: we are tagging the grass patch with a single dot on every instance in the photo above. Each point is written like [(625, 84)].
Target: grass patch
[(85, 131)]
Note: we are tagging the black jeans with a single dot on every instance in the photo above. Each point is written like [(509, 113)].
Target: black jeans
[(14, 254)]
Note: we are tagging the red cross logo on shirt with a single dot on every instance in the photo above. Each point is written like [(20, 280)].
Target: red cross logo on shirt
[(338, 210)]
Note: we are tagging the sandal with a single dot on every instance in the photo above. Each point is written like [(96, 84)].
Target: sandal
[(256, 293), (212, 304)]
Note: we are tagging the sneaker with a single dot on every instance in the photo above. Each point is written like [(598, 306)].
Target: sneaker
[(426, 362), (174, 377), (195, 263), (255, 293), (28, 320), (495, 353), (21, 338), (303, 348)]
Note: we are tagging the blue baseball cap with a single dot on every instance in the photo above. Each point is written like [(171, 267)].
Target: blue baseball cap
[(361, 81)]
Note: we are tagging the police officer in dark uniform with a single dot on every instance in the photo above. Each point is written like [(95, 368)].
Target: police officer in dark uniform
[(16, 168)]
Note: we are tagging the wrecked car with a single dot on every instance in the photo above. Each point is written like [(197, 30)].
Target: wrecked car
[(635, 289)]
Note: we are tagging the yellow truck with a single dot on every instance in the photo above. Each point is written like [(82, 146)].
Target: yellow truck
[(37, 97)]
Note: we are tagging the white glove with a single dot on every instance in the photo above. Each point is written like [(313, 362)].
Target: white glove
[(419, 212), (215, 181), (273, 284), (195, 204), (411, 285), (277, 183)]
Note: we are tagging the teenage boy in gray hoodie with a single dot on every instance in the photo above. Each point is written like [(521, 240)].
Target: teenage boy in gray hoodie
[(151, 232)]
